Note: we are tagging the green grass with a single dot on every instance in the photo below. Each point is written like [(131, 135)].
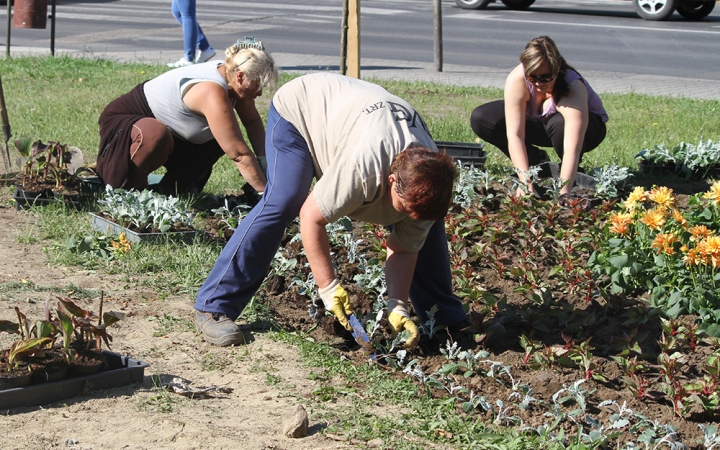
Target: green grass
[(60, 99)]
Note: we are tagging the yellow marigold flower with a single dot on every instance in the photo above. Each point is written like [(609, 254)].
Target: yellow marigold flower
[(699, 232), (662, 196), (620, 223), (654, 219), (122, 245), (714, 193), (665, 243), (636, 197), (679, 218)]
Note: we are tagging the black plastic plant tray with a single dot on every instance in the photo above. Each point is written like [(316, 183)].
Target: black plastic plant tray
[(467, 153), (582, 180), (122, 371), (22, 202), (111, 228)]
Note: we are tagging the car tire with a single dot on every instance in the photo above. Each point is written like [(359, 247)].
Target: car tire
[(472, 4), (695, 9), (518, 4), (655, 9)]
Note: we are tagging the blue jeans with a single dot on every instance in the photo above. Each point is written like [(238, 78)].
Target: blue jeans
[(193, 37), (245, 260)]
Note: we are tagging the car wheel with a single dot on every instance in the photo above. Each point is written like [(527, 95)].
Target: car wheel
[(695, 9), (472, 4), (518, 4), (654, 9)]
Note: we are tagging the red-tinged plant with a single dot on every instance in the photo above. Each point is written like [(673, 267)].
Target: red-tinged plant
[(25, 348), (550, 355), (667, 343), (712, 367), (86, 332), (679, 396), (631, 366), (582, 355), (640, 387), (670, 365), (529, 346)]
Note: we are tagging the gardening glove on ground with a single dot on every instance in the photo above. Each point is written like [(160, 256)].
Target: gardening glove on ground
[(337, 301), (262, 161), (400, 320)]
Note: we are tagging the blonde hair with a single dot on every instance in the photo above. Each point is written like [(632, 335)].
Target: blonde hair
[(256, 64)]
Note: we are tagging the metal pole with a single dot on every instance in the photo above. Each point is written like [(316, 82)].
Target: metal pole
[(343, 39), (7, 38), (5, 125), (437, 8), (52, 28)]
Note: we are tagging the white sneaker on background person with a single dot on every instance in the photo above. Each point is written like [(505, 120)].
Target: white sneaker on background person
[(204, 55), (182, 62)]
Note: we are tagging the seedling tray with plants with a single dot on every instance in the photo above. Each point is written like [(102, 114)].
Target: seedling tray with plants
[(121, 371), (684, 160), (37, 369), (143, 216), (110, 228)]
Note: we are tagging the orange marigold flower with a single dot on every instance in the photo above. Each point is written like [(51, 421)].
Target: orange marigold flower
[(665, 243), (714, 193), (662, 196), (691, 258), (713, 250), (699, 232), (679, 218), (620, 223), (654, 219)]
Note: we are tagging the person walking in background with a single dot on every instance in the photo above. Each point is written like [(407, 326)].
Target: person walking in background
[(549, 104), (185, 120), (197, 47)]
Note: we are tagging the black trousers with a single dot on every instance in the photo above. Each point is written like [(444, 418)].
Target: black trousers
[(488, 122)]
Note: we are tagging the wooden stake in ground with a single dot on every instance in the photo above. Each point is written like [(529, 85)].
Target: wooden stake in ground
[(5, 128)]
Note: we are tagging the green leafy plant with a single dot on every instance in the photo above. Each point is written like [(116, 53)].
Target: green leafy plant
[(145, 209), (685, 159)]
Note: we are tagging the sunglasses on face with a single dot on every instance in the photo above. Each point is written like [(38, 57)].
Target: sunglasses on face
[(542, 78)]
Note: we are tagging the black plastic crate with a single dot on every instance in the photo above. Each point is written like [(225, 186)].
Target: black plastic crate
[(467, 153), (122, 371)]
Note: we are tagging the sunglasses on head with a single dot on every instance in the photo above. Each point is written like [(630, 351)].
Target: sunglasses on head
[(542, 78)]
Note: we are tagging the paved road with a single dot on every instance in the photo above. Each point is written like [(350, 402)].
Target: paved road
[(144, 30)]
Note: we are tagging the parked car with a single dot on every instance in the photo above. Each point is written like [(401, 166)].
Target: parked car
[(647, 9)]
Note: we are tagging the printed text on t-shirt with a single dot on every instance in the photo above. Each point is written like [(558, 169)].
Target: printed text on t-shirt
[(400, 113)]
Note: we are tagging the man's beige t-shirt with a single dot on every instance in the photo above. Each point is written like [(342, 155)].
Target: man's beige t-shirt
[(354, 129)]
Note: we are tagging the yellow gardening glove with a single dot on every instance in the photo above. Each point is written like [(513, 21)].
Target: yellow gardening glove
[(337, 301), (400, 320)]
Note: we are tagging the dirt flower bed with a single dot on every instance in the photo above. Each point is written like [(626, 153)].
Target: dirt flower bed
[(550, 352)]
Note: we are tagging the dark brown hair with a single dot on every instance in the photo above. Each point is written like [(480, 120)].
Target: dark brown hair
[(543, 49), (425, 181)]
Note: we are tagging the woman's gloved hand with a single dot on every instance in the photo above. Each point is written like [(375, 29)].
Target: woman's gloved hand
[(336, 300), (400, 320)]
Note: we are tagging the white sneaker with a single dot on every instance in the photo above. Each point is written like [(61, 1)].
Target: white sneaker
[(182, 62), (204, 56)]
